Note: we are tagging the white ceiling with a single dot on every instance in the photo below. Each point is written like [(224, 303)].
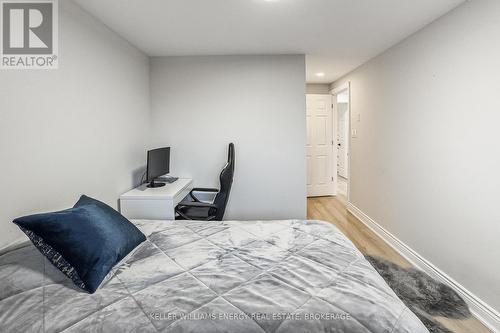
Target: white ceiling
[(336, 35)]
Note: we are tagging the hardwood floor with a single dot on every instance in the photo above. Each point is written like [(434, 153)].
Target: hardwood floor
[(333, 209)]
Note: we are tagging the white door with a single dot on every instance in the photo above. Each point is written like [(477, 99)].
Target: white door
[(320, 162), (342, 132)]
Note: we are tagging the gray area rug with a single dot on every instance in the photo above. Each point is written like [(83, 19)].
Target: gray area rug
[(424, 296)]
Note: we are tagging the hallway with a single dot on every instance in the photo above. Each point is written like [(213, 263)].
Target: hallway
[(333, 209)]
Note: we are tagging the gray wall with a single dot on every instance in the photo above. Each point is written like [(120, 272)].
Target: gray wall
[(317, 88), (79, 129), (426, 162), (200, 104)]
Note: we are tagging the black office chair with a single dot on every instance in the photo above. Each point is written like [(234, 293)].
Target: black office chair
[(197, 210)]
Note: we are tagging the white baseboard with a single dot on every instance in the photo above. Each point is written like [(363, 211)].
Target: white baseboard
[(482, 311)]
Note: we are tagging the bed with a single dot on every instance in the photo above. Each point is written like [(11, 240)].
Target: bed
[(231, 276)]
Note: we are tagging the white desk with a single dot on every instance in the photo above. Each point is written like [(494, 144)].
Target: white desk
[(154, 203)]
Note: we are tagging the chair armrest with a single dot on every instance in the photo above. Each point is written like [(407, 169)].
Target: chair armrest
[(196, 204), (201, 189)]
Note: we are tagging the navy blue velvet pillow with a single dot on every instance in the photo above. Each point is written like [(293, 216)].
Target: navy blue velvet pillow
[(83, 242)]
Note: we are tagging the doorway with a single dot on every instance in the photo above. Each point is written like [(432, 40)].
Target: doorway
[(341, 104)]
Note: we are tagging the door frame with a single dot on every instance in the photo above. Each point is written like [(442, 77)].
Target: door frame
[(334, 92)]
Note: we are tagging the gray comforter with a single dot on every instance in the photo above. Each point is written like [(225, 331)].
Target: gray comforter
[(248, 276)]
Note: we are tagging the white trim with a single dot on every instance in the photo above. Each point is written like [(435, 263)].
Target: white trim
[(344, 86), (334, 92), (334, 148), (481, 310)]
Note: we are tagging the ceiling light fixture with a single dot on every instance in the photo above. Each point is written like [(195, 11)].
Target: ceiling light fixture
[(320, 74)]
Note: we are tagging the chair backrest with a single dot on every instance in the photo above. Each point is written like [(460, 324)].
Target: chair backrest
[(226, 181)]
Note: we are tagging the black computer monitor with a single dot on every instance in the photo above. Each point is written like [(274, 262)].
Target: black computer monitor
[(158, 165)]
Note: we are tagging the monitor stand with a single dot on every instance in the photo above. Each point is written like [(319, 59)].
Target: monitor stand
[(155, 185)]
